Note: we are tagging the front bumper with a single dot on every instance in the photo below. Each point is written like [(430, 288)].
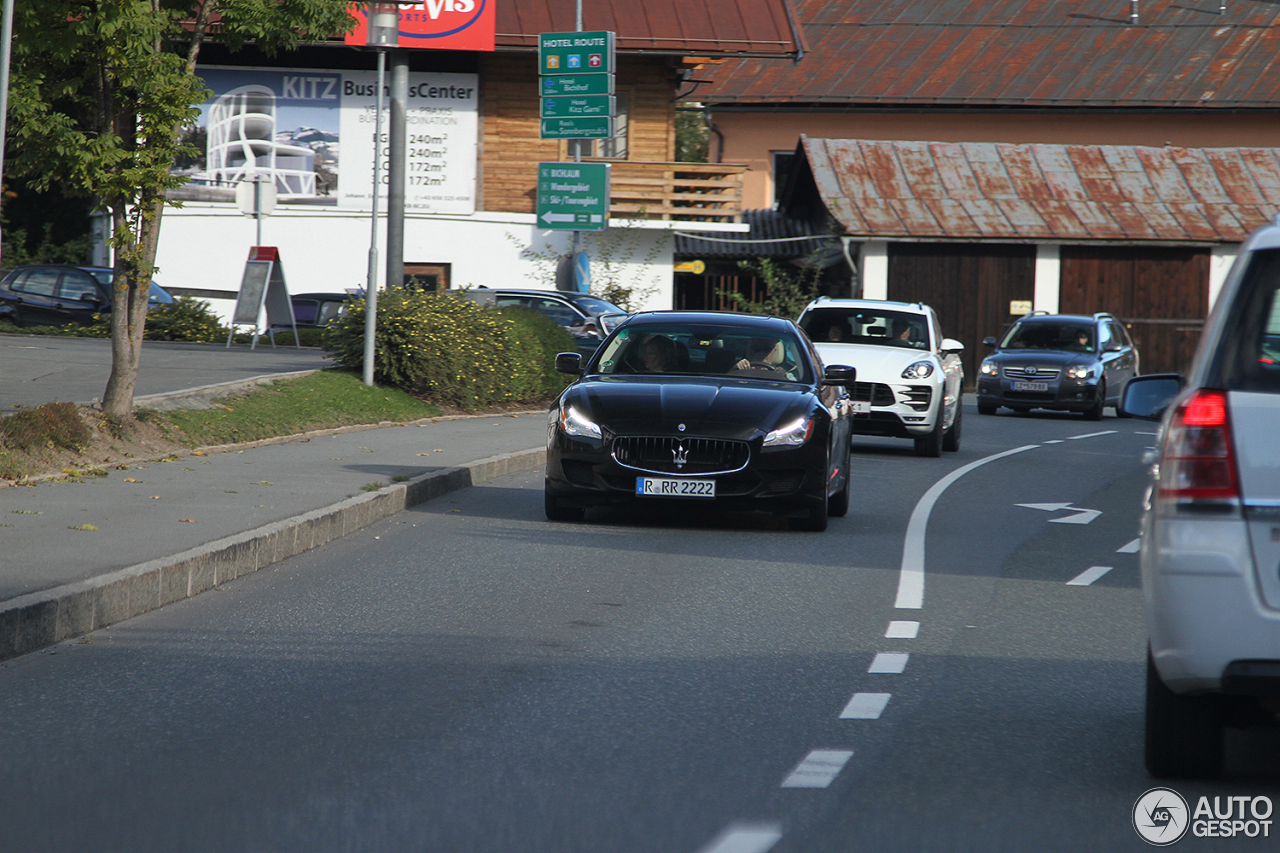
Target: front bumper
[(784, 481), (898, 410), (1061, 394)]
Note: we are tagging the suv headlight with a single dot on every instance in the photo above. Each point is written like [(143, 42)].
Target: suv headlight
[(919, 370), (989, 368), (572, 422), (793, 434), (1080, 371)]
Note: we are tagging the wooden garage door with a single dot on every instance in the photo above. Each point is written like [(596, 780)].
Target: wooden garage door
[(1161, 294), (971, 287)]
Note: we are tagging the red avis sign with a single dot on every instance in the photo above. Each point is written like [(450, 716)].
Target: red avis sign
[(437, 25)]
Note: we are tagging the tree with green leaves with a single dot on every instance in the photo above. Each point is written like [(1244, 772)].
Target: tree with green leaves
[(100, 93)]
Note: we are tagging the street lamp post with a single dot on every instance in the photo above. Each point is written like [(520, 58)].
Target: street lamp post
[(383, 32)]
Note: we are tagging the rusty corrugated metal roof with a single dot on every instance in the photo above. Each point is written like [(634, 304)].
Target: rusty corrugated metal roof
[(998, 191), (1182, 53), (713, 28)]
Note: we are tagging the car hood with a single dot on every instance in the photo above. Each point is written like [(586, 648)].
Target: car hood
[(736, 408), (873, 362), (1046, 357)]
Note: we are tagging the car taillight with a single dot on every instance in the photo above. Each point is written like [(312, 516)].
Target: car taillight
[(1196, 461)]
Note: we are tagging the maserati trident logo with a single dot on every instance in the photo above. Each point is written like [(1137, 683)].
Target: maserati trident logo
[(680, 456)]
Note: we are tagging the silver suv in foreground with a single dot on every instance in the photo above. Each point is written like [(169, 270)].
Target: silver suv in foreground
[(1210, 556)]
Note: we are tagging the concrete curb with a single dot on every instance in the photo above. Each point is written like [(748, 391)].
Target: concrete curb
[(43, 618)]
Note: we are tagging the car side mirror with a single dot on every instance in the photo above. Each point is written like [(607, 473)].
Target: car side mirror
[(91, 299), (839, 374), (1147, 397), (989, 341), (951, 346), (1112, 347), (569, 362)]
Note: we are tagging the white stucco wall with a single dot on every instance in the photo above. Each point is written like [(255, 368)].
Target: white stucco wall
[(204, 246)]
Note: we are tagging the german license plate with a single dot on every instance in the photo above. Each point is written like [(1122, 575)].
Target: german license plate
[(666, 487), (1031, 386), (860, 407)]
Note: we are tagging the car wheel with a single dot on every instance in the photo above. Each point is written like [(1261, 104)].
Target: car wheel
[(987, 408), (931, 444), (816, 519), (1094, 412), (951, 438), (1184, 733), (556, 511), (838, 504)]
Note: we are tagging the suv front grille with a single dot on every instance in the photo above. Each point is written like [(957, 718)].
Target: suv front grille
[(669, 455), (875, 393)]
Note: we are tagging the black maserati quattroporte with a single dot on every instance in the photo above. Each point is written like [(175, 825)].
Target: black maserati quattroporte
[(732, 411)]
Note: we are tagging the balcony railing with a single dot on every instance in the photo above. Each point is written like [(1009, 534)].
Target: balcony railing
[(689, 192)]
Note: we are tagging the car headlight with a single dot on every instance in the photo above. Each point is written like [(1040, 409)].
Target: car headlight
[(919, 370), (572, 422), (1080, 371), (793, 434), (989, 368)]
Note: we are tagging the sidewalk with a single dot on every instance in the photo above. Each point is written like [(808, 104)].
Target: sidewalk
[(76, 556)]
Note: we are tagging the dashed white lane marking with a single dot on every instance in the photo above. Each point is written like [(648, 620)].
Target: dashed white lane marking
[(891, 662), (1088, 576), (1054, 441), (911, 574), (745, 838), (865, 706), (819, 768), (1091, 435), (1130, 547), (902, 630)]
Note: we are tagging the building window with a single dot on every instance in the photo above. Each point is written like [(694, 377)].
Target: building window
[(783, 163), (615, 147)]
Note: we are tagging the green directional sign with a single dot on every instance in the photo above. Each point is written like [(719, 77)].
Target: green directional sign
[(593, 127), (571, 107), (573, 196), (577, 84), (576, 53)]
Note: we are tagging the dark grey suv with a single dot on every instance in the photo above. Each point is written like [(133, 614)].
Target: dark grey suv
[(1066, 362)]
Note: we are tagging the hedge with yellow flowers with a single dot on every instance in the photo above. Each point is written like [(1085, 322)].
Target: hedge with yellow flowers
[(452, 351)]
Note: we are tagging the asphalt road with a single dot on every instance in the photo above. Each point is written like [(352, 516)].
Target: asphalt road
[(470, 677), (37, 369)]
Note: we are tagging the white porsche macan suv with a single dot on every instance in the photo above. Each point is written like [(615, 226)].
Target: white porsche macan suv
[(910, 377)]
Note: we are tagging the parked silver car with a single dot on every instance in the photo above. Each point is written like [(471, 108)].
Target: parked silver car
[(1210, 556)]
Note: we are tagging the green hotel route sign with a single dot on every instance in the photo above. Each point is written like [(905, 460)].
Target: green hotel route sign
[(577, 107), (573, 196), (576, 53), (576, 84)]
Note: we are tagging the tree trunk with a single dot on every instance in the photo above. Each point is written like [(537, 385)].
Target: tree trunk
[(131, 291)]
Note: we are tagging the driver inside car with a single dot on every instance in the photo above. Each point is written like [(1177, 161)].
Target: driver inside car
[(762, 354)]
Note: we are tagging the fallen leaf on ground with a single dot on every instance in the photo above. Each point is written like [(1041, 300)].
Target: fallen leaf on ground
[(132, 480), (264, 483), (82, 527), (155, 497), (188, 520), (198, 453)]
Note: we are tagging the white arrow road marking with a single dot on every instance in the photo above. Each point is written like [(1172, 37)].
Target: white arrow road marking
[(819, 768), (1082, 516), (1130, 547), (1088, 576)]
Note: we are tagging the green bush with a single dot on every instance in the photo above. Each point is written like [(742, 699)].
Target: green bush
[(185, 319), (452, 351)]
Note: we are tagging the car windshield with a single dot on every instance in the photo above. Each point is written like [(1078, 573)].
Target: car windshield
[(1071, 337), (883, 327), (595, 306), (704, 350), (156, 294)]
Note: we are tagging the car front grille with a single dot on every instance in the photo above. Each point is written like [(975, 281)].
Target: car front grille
[(1037, 374), (875, 393), (669, 455)]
